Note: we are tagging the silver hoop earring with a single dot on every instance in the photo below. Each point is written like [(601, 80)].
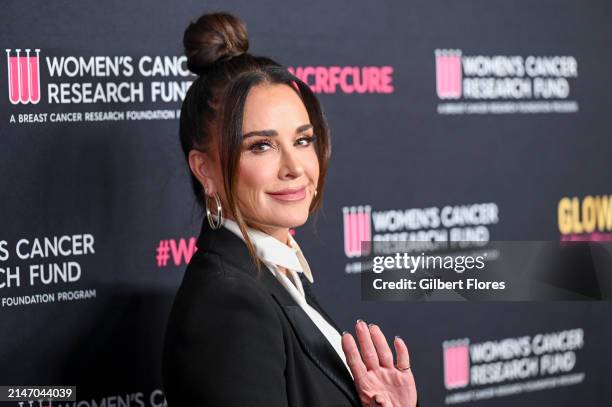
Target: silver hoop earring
[(209, 215)]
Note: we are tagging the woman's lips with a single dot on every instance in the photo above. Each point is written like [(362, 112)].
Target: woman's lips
[(290, 196)]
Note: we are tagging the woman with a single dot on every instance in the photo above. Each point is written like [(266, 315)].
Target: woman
[(245, 328)]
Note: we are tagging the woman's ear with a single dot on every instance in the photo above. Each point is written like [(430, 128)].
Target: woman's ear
[(202, 168)]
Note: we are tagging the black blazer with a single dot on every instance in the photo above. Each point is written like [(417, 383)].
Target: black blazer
[(235, 339)]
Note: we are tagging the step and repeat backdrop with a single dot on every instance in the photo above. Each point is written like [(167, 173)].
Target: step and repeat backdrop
[(454, 121)]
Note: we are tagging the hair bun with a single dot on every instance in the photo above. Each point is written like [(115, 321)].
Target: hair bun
[(214, 37)]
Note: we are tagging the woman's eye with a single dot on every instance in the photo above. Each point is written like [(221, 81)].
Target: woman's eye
[(259, 147), (262, 146), (307, 140)]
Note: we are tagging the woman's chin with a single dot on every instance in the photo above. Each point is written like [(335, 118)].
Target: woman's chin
[(290, 220), (294, 222)]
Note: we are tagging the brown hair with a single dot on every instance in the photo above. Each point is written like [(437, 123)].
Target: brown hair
[(216, 46)]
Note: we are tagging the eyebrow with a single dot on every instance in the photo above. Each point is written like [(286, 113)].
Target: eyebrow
[(273, 133)]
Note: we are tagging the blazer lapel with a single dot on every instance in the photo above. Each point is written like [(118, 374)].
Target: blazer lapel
[(310, 299), (233, 250), (312, 339)]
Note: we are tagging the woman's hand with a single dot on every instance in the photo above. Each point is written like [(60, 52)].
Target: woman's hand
[(378, 380)]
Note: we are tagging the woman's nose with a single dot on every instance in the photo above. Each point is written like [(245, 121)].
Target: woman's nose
[(291, 165)]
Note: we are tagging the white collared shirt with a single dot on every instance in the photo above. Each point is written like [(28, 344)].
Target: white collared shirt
[(274, 253)]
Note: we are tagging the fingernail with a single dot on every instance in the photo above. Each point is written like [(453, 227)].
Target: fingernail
[(371, 324), (398, 337), (344, 332), (359, 320)]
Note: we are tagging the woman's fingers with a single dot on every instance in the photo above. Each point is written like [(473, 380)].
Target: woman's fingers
[(368, 351), (377, 401), (353, 358), (385, 357), (403, 358)]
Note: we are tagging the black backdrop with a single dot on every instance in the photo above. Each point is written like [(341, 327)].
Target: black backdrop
[(467, 103)]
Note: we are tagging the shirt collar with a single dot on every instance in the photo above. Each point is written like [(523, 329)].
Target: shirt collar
[(270, 249)]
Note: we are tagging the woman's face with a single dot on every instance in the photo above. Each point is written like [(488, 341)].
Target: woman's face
[(279, 170)]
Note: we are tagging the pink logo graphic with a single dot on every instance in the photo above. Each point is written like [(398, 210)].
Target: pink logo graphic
[(23, 77), (456, 363), (180, 250), (357, 229), (448, 73)]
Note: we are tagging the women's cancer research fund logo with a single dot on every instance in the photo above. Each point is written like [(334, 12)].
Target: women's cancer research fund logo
[(448, 223), (23, 76), (503, 84), (511, 365), (357, 230), (456, 363), (448, 74)]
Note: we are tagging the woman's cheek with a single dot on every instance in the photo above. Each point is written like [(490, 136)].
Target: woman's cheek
[(248, 170), (313, 166), (255, 177)]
